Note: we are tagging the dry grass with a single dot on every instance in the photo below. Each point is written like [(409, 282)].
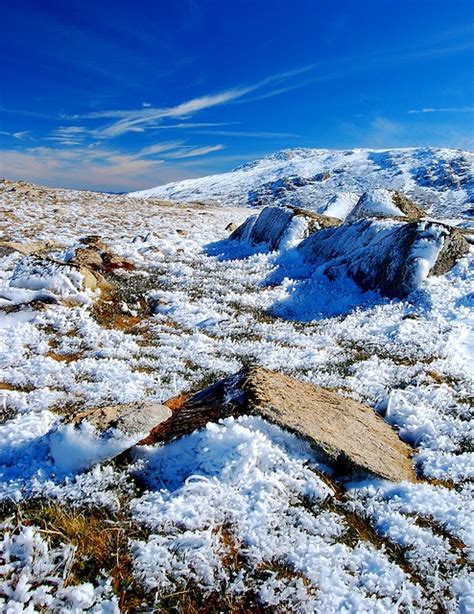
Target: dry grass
[(67, 358), (101, 542), (5, 386)]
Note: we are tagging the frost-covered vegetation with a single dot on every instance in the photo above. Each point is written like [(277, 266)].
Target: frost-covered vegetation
[(241, 514)]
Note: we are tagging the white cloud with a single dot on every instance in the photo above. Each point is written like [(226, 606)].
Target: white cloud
[(443, 110), (68, 135), (159, 148), (192, 153), (16, 135), (101, 168)]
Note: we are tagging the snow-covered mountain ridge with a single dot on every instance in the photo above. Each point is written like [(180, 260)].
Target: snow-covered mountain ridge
[(440, 180)]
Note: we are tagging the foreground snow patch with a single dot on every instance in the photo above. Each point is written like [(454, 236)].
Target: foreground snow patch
[(35, 448), (45, 279), (247, 485)]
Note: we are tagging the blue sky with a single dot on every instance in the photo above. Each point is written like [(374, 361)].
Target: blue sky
[(116, 95)]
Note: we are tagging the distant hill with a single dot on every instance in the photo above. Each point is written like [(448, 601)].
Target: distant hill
[(440, 180)]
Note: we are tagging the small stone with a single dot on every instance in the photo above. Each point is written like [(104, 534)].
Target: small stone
[(130, 418)]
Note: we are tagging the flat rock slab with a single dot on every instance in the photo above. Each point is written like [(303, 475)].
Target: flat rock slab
[(130, 418), (350, 435)]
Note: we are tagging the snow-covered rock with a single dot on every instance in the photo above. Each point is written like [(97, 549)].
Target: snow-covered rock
[(280, 227), (389, 256), (340, 205), (439, 180), (130, 418), (384, 203)]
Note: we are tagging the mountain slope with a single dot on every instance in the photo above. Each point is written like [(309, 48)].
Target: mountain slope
[(440, 180)]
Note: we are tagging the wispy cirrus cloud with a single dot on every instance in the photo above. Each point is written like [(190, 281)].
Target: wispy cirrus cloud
[(16, 135), (68, 135), (443, 110), (147, 117), (139, 120), (192, 153)]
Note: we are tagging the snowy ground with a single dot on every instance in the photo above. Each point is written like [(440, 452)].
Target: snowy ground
[(241, 508)]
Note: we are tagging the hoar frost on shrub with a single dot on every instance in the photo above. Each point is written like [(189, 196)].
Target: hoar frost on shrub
[(33, 576)]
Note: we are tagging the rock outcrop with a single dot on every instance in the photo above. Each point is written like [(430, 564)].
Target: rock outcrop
[(388, 256), (349, 436), (94, 254), (276, 225)]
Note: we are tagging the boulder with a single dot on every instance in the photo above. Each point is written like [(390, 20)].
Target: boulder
[(348, 435), (381, 203), (87, 257), (130, 418), (275, 225), (388, 256)]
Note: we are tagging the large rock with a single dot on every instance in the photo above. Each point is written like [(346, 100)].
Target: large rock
[(275, 226), (389, 256), (383, 203), (130, 418), (348, 435)]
